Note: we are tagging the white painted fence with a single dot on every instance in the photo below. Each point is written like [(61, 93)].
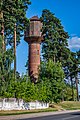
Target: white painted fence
[(36, 105), (14, 104)]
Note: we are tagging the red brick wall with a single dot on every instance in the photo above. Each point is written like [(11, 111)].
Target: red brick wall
[(34, 58)]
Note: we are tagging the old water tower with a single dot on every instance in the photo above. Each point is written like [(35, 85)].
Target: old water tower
[(34, 38)]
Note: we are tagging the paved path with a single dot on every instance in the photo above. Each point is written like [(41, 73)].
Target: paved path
[(62, 115)]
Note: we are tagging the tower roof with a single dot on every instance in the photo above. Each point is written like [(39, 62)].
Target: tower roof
[(34, 18)]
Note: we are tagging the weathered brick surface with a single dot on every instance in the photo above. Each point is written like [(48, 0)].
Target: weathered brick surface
[(34, 38), (34, 58)]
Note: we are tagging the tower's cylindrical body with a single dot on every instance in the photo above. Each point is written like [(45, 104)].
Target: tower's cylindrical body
[(34, 38), (34, 59)]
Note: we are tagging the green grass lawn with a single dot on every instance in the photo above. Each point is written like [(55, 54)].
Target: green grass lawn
[(70, 105), (17, 112)]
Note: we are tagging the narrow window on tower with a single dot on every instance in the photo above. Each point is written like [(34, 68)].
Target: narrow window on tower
[(37, 52)]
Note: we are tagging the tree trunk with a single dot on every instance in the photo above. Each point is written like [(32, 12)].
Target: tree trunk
[(72, 88), (54, 59), (2, 30), (77, 88), (15, 51)]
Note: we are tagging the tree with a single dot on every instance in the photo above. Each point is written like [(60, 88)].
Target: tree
[(55, 45), (53, 75), (55, 38), (72, 71), (13, 12)]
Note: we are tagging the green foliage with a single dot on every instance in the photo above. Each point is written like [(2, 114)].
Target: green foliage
[(55, 38), (11, 12), (51, 86), (22, 88), (14, 12), (55, 46), (53, 75)]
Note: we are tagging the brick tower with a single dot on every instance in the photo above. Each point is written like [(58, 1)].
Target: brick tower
[(34, 38)]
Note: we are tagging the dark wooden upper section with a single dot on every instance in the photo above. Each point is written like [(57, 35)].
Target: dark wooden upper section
[(33, 32)]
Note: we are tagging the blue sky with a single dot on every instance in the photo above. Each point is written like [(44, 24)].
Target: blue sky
[(68, 11)]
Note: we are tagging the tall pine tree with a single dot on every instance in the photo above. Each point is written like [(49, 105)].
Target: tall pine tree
[(55, 38)]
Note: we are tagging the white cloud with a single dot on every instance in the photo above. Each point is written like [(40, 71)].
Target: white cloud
[(74, 43)]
